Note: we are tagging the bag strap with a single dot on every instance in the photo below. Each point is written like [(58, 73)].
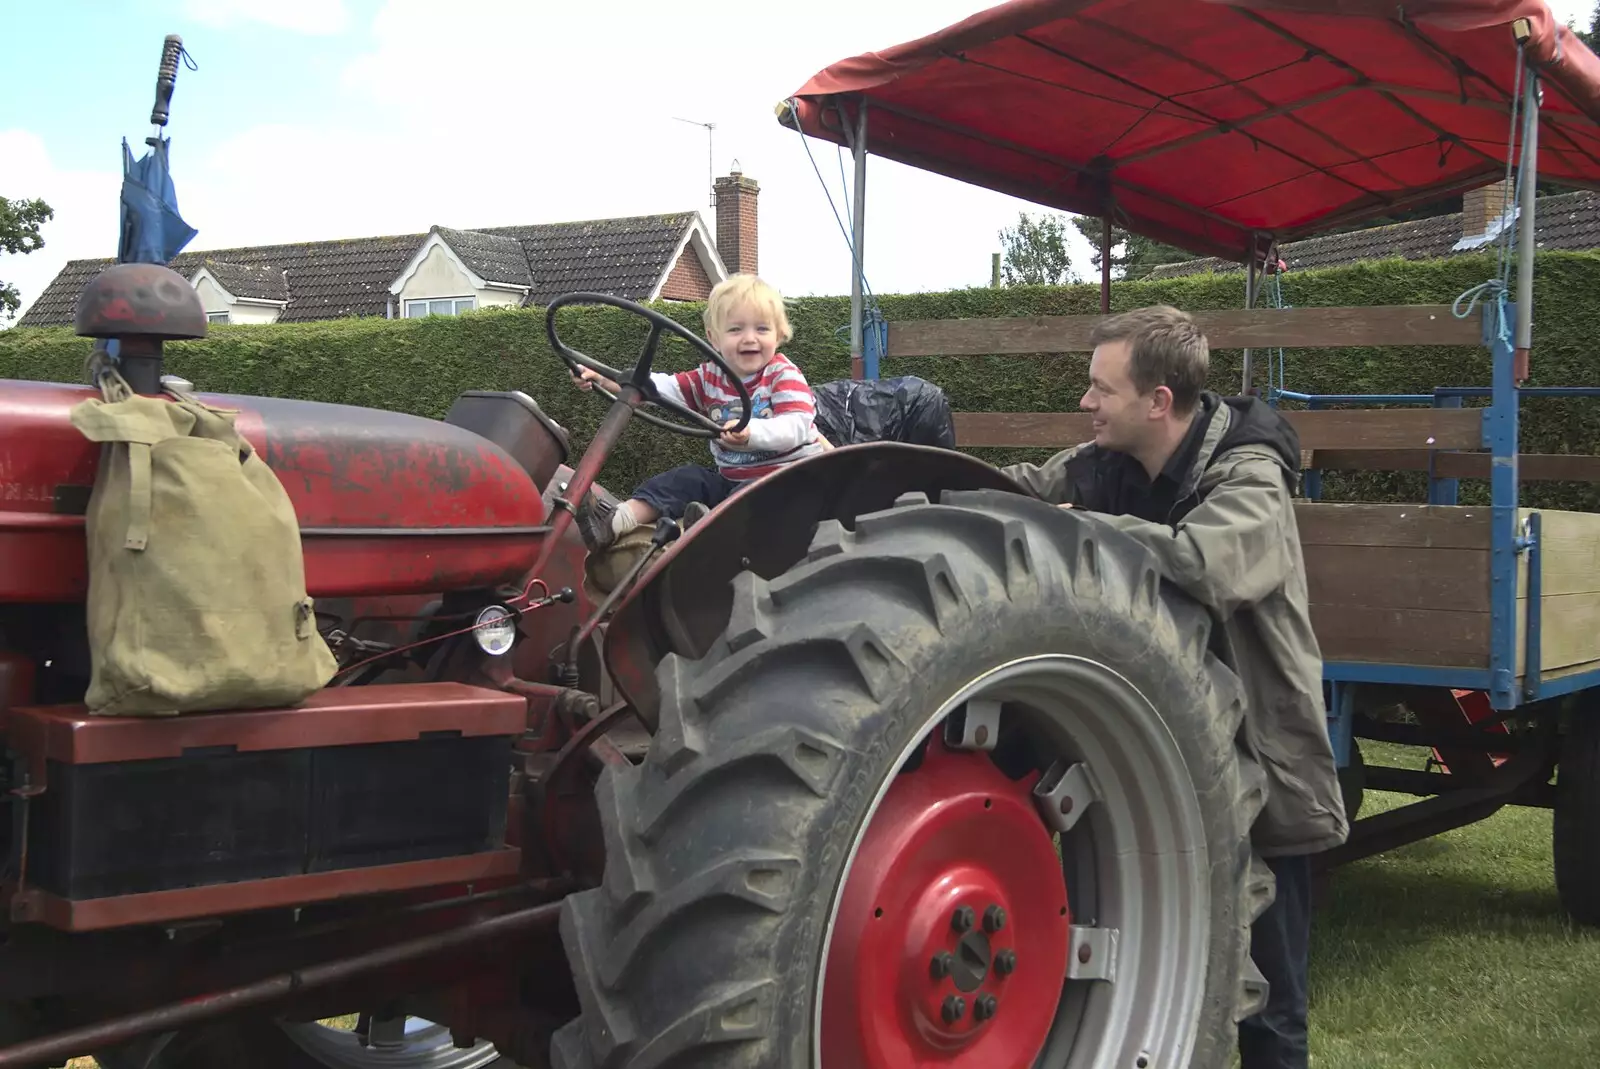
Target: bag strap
[(139, 496)]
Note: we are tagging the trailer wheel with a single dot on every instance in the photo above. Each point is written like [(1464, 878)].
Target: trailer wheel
[(841, 849), (1576, 829)]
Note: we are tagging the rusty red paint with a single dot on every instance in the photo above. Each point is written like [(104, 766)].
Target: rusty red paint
[(338, 716), (160, 907), (389, 503)]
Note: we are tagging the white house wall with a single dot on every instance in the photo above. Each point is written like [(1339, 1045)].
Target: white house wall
[(440, 275), (252, 313), (211, 296), (436, 276)]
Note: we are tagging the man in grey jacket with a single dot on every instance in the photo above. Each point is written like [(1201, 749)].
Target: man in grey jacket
[(1206, 483)]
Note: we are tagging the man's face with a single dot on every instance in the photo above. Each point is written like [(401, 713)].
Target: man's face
[(1123, 420)]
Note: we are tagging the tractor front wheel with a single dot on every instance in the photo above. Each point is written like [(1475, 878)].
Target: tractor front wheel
[(962, 788)]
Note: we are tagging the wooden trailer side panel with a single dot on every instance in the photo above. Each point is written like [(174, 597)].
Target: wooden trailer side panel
[(1409, 584), (1569, 601), (1398, 584)]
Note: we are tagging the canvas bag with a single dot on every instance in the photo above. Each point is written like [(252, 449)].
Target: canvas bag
[(197, 592)]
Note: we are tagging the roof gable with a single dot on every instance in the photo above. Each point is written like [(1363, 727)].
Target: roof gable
[(261, 282), (625, 257)]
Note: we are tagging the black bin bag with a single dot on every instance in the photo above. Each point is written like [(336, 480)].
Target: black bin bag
[(905, 409)]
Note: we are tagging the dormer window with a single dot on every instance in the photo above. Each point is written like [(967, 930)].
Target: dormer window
[(439, 306)]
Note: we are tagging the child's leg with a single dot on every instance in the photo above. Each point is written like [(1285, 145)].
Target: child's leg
[(667, 494)]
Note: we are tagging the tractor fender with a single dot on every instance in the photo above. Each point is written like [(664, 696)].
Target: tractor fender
[(682, 602)]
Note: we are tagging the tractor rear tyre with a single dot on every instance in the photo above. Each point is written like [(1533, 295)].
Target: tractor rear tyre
[(1575, 831), (963, 787)]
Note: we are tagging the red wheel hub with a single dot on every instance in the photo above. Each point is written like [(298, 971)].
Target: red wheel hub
[(950, 947)]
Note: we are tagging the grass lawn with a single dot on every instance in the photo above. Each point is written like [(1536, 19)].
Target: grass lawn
[(1452, 953)]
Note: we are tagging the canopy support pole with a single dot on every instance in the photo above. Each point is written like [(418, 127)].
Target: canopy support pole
[(1248, 372), (1105, 264), (1525, 233), (858, 226)]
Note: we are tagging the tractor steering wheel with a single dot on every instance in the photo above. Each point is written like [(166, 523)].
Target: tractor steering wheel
[(639, 376)]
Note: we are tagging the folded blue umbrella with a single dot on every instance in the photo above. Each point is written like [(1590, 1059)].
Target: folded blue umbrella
[(153, 231)]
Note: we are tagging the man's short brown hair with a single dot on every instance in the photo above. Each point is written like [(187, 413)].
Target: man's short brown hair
[(1165, 349)]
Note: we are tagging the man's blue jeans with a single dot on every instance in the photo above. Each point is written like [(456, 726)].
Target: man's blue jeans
[(1280, 944)]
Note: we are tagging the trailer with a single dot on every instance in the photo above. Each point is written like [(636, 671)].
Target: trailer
[(1228, 128)]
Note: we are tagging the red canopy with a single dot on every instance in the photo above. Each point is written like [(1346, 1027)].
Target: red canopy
[(1206, 121)]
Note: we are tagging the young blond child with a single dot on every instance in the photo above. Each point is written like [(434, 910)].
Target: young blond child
[(746, 322)]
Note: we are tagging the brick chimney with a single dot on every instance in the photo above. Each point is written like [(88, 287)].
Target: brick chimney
[(1482, 206), (736, 221)]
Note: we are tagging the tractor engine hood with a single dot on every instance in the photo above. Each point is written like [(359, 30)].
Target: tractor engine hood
[(388, 503)]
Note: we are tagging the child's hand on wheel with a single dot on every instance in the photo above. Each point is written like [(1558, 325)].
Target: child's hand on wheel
[(742, 438)]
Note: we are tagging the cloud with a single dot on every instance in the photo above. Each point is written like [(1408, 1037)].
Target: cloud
[(86, 212), (538, 112), (319, 17)]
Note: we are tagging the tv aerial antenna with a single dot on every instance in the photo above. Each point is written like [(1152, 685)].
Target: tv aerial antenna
[(710, 128)]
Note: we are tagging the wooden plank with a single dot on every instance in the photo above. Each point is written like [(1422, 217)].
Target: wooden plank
[(1397, 577), (1569, 553), (1389, 428), (1418, 526), (1531, 467), (1437, 638), (1569, 631), (1298, 328), (1392, 428)]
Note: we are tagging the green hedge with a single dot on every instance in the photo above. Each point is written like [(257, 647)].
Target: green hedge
[(420, 365)]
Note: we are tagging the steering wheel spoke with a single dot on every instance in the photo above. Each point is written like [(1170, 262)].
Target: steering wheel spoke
[(699, 426)]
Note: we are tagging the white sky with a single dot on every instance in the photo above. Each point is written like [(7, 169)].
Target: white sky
[(501, 112)]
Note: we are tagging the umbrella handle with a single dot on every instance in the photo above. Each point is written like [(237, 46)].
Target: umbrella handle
[(166, 78)]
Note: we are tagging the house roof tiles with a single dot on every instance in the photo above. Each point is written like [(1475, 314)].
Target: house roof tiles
[(351, 277), (1564, 221)]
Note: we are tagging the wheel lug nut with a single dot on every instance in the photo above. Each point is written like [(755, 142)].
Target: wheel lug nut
[(955, 1007), (941, 966), (963, 919), (994, 919), (1005, 962), (984, 1007)]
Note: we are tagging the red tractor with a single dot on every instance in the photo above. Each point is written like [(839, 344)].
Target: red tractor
[(882, 764)]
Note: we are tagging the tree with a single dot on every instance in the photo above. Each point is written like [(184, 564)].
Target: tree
[(1036, 252), (20, 221), (1588, 36), (1132, 256)]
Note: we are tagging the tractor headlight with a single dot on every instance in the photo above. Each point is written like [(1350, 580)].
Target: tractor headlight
[(495, 630)]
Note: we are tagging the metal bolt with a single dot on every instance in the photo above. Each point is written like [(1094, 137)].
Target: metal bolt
[(981, 736), (954, 1008), (994, 919), (942, 963), (1005, 962), (963, 919), (985, 1007), (1066, 804), (1085, 952)]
